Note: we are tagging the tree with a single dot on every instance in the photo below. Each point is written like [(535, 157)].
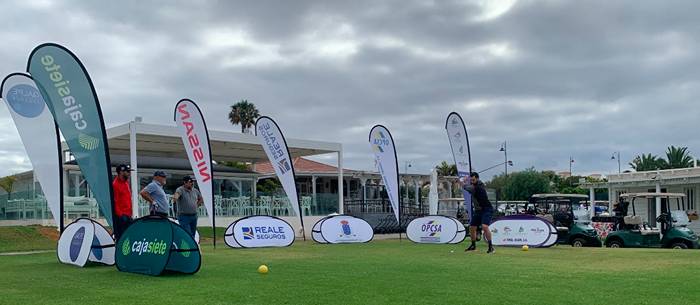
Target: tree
[(497, 183), (234, 164), (269, 186), (7, 184), (243, 113), (446, 169), (646, 162), (522, 185), (677, 157)]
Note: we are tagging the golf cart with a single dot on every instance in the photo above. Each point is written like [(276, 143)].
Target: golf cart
[(632, 231), (568, 214)]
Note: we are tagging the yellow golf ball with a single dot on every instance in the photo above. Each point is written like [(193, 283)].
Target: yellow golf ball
[(262, 269), (525, 247)]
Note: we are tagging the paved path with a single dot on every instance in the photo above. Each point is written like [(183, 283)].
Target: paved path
[(25, 253)]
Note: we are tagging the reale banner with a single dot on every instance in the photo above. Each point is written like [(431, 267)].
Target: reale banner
[(259, 232)]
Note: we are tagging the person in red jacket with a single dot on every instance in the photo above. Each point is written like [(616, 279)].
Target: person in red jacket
[(122, 200)]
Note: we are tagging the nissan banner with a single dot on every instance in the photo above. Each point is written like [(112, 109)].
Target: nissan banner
[(195, 137)]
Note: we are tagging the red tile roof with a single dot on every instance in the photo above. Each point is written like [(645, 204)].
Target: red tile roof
[(301, 166)]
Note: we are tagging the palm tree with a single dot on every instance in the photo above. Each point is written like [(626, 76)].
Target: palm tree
[(646, 162), (7, 184), (446, 169), (243, 113), (677, 157)]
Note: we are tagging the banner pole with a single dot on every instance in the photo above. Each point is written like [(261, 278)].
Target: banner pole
[(60, 180)]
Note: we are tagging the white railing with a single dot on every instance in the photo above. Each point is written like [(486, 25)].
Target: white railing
[(656, 175)]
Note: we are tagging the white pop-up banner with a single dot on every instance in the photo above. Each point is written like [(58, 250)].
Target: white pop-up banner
[(39, 134), (382, 144), (275, 146), (436, 229), (340, 229), (83, 241), (259, 232), (195, 137), (518, 230), (459, 142)]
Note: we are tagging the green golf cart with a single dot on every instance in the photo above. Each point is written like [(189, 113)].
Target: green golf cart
[(568, 213), (633, 232)]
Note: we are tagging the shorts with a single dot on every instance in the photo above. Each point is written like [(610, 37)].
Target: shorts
[(481, 217)]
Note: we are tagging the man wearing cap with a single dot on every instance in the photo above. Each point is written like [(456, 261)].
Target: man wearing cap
[(154, 194), (187, 200), (122, 200)]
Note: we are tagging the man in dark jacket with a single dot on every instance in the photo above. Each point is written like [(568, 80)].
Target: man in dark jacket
[(483, 210)]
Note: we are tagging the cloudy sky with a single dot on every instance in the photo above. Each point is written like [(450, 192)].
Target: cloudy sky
[(552, 78)]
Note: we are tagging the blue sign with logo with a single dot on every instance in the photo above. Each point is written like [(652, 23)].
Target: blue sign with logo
[(25, 100), (248, 233), (77, 243)]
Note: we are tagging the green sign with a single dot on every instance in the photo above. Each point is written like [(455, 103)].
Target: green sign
[(70, 95), (152, 245)]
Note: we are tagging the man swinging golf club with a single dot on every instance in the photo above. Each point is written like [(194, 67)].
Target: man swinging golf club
[(483, 211)]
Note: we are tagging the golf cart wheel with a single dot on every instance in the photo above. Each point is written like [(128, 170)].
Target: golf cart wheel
[(679, 245), (615, 244), (578, 242)]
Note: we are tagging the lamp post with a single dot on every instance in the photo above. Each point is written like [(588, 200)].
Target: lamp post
[(507, 163), (619, 167), (504, 149), (407, 164), (571, 161)]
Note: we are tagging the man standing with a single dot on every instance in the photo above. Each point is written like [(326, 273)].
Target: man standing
[(187, 200), (154, 194), (122, 200), (483, 210)]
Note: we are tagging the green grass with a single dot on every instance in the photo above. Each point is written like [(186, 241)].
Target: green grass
[(27, 238), (380, 272)]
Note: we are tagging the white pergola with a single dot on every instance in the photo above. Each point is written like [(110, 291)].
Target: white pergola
[(136, 139), (648, 180)]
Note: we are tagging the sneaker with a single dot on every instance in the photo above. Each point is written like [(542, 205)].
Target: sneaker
[(491, 250), (471, 248)]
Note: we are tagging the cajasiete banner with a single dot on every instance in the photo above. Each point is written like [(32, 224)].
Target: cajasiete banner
[(70, 95), (382, 145), (459, 142), (195, 137), (40, 137), (153, 244), (275, 146)]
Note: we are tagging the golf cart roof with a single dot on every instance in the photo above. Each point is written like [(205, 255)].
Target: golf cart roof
[(652, 195), (560, 196)]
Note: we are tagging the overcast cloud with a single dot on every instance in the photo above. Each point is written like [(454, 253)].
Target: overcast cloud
[(553, 78)]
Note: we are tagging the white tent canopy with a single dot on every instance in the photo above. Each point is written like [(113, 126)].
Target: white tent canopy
[(137, 139)]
